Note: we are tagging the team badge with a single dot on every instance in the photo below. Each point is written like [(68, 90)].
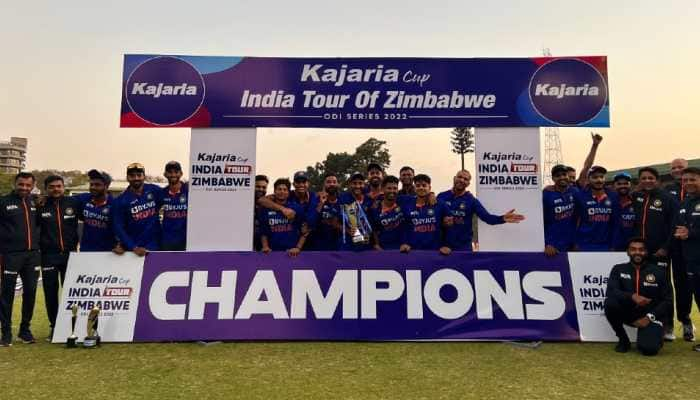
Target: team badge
[(398, 209), (149, 196), (650, 278), (69, 211), (608, 203), (183, 199), (657, 203), (105, 210), (697, 207), (431, 212), (462, 206), (448, 203)]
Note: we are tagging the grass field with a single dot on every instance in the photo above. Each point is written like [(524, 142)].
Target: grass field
[(305, 370)]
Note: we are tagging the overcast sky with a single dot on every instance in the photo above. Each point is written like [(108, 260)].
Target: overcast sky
[(60, 73)]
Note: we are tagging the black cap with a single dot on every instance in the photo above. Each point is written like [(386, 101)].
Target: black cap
[(373, 166), (597, 169), (173, 166), (558, 169), (357, 175), (300, 176), (135, 167), (101, 175)]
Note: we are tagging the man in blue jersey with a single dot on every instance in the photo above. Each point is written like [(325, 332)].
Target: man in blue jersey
[(96, 210), (406, 175), (388, 222), (278, 232), (598, 211), (328, 226), (261, 182), (136, 213), (355, 198), (302, 196), (424, 221), (462, 206), (175, 197), (622, 183), (558, 206), (375, 176)]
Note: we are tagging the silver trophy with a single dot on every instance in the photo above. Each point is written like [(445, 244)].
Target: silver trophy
[(355, 221)]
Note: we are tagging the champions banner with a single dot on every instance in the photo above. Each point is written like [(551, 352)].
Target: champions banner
[(198, 91), (171, 296)]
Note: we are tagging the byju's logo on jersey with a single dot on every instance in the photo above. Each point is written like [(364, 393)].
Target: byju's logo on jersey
[(165, 90), (568, 91)]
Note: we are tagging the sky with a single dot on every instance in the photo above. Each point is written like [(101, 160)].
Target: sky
[(60, 73)]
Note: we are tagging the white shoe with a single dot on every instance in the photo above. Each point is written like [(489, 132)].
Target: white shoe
[(669, 336)]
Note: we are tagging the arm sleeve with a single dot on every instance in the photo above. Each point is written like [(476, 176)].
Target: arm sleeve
[(614, 289), (485, 215), (119, 226)]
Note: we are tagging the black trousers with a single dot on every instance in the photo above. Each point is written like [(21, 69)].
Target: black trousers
[(665, 264), (50, 277), (682, 288), (172, 246), (25, 265), (620, 313), (694, 281)]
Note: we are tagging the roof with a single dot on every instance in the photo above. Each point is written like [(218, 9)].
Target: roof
[(664, 169)]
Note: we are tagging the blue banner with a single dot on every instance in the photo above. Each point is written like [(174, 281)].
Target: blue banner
[(193, 91), (355, 296)]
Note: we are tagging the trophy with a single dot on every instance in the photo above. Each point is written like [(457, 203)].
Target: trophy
[(70, 342), (355, 219), (92, 339)]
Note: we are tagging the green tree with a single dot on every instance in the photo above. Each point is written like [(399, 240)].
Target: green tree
[(462, 140), (344, 164), (6, 183)]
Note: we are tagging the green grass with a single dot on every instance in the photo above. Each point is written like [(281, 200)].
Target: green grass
[(342, 370)]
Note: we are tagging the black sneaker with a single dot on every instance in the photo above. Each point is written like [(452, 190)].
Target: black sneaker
[(50, 337), (6, 341), (623, 346), (696, 348), (26, 337), (689, 332)]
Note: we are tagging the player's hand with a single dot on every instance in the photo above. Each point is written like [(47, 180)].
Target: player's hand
[(266, 249), (140, 251), (550, 251), (642, 322), (294, 251), (596, 138), (445, 251), (432, 200), (661, 253), (640, 301), (681, 232), (448, 221), (289, 213), (118, 249), (305, 230), (405, 248), (512, 218)]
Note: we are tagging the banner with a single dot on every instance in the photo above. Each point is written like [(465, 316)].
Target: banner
[(222, 187), (333, 296), (508, 177), (195, 91)]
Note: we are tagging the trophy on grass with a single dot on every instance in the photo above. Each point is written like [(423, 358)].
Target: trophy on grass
[(71, 341), (355, 221), (92, 339)]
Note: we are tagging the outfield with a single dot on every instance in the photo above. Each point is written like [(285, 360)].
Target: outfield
[(342, 370)]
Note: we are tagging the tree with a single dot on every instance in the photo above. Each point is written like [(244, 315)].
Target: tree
[(344, 164), (462, 140)]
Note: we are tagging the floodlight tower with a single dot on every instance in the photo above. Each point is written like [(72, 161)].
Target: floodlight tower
[(552, 144)]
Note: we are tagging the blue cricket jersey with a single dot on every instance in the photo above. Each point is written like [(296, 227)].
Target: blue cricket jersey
[(424, 224), (175, 216), (389, 224), (137, 219), (598, 220), (346, 243), (559, 209), (326, 235), (462, 208), (98, 233), (625, 229), (282, 234)]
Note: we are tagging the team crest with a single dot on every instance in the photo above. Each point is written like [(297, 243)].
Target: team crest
[(431, 212), (149, 196), (69, 211), (608, 203), (697, 207), (183, 199), (105, 210), (448, 203), (398, 209), (657, 203), (650, 278), (462, 206)]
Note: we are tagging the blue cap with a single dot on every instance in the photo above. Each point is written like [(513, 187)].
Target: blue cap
[(622, 175)]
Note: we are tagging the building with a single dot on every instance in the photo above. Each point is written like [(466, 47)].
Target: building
[(664, 171), (13, 155)]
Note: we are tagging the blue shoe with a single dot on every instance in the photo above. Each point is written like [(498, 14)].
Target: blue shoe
[(26, 337)]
